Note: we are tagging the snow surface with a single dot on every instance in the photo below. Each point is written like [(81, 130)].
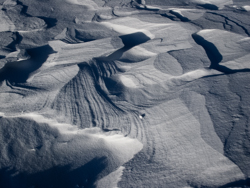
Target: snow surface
[(113, 93)]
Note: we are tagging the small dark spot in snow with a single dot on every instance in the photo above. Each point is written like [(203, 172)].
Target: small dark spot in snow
[(142, 116)]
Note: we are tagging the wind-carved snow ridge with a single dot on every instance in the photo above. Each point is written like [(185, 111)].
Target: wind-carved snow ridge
[(124, 94), (246, 7), (87, 3), (207, 4), (213, 4), (228, 52)]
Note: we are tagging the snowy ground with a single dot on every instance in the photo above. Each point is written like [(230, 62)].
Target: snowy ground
[(141, 93)]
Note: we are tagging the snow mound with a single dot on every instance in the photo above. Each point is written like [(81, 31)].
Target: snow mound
[(34, 147)]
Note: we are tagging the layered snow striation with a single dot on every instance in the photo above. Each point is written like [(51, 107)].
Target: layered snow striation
[(123, 94)]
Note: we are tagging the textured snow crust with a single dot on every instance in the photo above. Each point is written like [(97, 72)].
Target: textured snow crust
[(113, 93)]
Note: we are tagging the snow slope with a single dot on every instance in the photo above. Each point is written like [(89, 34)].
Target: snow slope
[(124, 93)]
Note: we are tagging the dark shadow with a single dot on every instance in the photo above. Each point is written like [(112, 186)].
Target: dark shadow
[(183, 19), (12, 45), (134, 39), (227, 70), (19, 71), (56, 177), (143, 115), (170, 16), (6, 176), (114, 86), (212, 52), (51, 22), (87, 36), (240, 183), (115, 55), (19, 38), (110, 129), (151, 9), (24, 9), (209, 6), (129, 41)]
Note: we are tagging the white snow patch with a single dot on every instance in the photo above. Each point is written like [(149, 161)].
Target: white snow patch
[(205, 31), (246, 7), (129, 81), (113, 141), (196, 74), (88, 3), (124, 30), (137, 54)]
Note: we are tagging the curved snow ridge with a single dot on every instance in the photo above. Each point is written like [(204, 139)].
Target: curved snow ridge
[(39, 85), (124, 30), (145, 81), (91, 5), (61, 144), (121, 12), (82, 52), (146, 76), (213, 4), (224, 48), (130, 40), (140, 85), (129, 25), (136, 54), (187, 14), (66, 36), (208, 4), (246, 7)]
